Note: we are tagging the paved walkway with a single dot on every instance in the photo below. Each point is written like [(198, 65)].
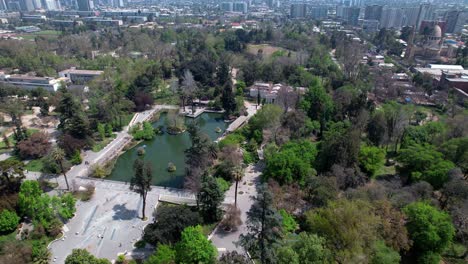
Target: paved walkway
[(225, 241)]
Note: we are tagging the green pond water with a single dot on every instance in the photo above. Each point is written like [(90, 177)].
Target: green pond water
[(166, 148)]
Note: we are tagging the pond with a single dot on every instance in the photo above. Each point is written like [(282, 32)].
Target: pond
[(164, 149)]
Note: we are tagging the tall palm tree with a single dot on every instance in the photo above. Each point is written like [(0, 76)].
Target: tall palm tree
[(59, 155), (237, 174)]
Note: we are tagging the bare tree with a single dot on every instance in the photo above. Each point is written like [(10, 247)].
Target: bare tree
[(287, 98), (188, 89), (351, 55), (232, 218)]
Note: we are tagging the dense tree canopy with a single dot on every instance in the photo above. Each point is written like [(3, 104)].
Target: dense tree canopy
[(430, 229)]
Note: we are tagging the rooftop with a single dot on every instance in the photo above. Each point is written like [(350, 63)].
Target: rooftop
[(88, 72), (446, 67)]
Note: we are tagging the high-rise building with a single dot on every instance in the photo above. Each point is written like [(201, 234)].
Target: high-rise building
[(298, 10), (227, 7), (348, 14), (352, 2), (318, 12), (391, 18), (426, 12), (410, 16), (49, 4), (373, 12), (462, 21), (26, 5), (239, 7), (3, 5), (85, 5)]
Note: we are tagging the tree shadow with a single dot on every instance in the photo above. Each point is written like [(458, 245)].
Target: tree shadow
[(122, 213)]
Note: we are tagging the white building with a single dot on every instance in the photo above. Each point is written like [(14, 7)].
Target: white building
[(33, 82), (269, 92), (79, 76)]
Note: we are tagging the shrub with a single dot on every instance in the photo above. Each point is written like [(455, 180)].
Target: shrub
[(371, 159), (140, 244), (171, 167), (141, 151), (85, 195), (223, 184), (288, 222), (232, 218), (76, 158), (8, 221), (36, 146), (171, 221)]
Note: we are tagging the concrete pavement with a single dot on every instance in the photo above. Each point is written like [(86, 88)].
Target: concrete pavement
[(110, 223)]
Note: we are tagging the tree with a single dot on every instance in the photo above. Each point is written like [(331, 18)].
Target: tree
[(44, 107), (377, 128), (194, 247), (8, 221), (29, 199), (6, 140), (187, 89), (349, 226), (141, 181), (209, 199), (81, 256), (171, 221), (198, 157), (292, 164), (371, 159), (101, 130), (318, 104), (456, 150), (231, 218), (304, 248), (228, 99), (392, 226), (165, 254), (288, 222), (36, 146), (383, 254), (263, 225), (430, 229), (426, 134), (396, 119), (223, 73), (44, 209), (73, 120), (423, 162), (340, 146), (11, 174), (59, 156), (237, 175)]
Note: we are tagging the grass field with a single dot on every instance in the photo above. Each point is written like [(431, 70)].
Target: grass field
[(35, 165), (268, 50), (44, 33)]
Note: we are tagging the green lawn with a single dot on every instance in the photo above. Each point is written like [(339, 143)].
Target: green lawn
[(12, 140), (385, 170), (35, 165), (44, 33)]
